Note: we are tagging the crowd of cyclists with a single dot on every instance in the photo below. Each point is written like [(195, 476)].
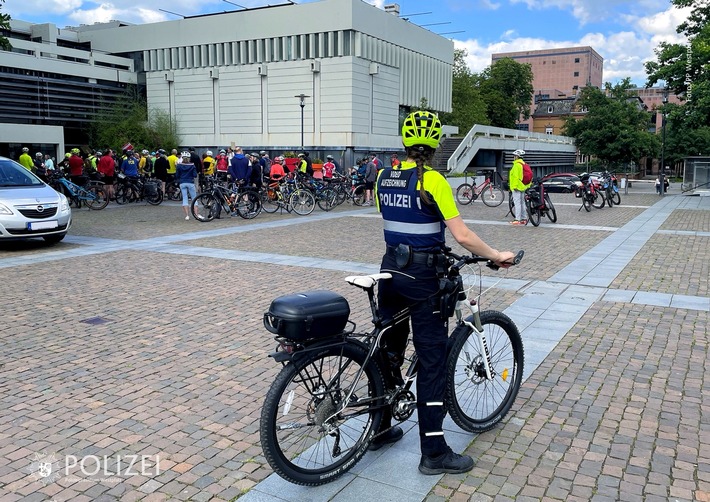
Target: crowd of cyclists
[(228, 164)]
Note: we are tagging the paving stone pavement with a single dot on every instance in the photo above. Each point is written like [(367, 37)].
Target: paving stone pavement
[(140, 337)]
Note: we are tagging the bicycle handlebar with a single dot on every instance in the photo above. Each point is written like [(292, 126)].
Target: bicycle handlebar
[(466, 260)]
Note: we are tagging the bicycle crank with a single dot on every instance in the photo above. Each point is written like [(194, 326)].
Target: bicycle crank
[(403, 405)]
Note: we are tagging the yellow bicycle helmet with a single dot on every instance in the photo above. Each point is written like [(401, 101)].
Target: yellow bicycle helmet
[(421, 128)]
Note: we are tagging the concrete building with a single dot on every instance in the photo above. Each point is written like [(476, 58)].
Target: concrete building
[(235, 78), (51, 84), (558, 73)]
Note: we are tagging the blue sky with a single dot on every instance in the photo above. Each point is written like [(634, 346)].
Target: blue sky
[(624, 33)]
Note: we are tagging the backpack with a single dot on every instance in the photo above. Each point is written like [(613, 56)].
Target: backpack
[(527, 174)]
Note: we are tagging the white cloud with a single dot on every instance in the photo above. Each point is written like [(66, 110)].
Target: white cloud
[(624, 52), (107, 12), (51, 7)]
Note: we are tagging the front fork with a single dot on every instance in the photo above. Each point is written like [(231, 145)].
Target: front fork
[(478, 328)]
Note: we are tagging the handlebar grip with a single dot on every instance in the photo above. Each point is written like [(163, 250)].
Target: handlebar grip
[(516, 260)]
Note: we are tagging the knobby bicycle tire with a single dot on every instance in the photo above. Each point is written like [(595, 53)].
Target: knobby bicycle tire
[(492, 196), (305, 438), (475, 403), (550, 209), (96, 199), (464, 194)]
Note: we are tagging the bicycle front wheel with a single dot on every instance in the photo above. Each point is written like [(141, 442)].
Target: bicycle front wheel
[(328, 199), (550, 209), (533, 213), (97, 198), (616, 197), (474, 402), (205, 207), (492, 196), (315, 424), (302, 202), (598, 200), (464, 194)]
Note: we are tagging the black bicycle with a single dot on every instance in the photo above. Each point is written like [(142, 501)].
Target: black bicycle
[(244, 201), (325, 406), (539, 204)]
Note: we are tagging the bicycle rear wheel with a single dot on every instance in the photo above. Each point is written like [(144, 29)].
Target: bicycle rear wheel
[(156, 198), (205, 207), (97, 198), (358, 195), (475, 403), (464, 194), (270, 200), (248, 205), (309, 435), (172, 191), (492, 196)]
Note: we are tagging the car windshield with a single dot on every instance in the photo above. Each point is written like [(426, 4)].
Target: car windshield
[(13, 174)]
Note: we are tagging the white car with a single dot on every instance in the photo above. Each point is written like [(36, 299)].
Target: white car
[(29, 207)]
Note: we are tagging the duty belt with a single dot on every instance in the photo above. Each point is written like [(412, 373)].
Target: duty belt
[(419, 257)]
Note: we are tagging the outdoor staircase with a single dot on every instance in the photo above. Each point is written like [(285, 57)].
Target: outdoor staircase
[(446, 149)]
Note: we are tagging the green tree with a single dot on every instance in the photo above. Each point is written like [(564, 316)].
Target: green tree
[(507, 90), (4, 25), (615, 128), (127, 120), (467, 105), (685, 70)]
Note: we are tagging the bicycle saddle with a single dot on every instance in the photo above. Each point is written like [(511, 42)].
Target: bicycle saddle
[(367, 281)]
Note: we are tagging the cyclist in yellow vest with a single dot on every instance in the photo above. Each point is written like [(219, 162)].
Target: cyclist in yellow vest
[(25, 159)]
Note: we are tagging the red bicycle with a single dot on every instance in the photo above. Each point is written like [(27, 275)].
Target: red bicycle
[(491, 194)]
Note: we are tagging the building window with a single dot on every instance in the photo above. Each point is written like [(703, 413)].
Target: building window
[(576, 60), (549, 130), (576, 74), (550, 109), (522, 127)]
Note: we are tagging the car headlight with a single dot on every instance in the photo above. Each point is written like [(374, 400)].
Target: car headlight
[(4, 209), (63, 203)]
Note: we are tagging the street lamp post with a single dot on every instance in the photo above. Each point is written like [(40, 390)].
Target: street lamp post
[(662, 175), (302, 102)]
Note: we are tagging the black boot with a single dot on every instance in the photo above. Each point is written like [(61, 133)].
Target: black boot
[(448, 462)]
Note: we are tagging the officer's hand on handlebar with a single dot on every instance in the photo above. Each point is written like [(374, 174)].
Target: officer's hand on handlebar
[(506, 259)]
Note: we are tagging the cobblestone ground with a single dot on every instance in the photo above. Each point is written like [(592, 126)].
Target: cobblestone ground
[(146, 350)]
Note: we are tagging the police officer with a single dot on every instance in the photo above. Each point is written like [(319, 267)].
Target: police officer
[(417, 206)]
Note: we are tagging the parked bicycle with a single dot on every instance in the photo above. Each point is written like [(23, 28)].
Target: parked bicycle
[(325, 406), (611, 188), (130, 189), (93, 196), (537, 203), (491, 194), (244, 202), (590, 192)]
